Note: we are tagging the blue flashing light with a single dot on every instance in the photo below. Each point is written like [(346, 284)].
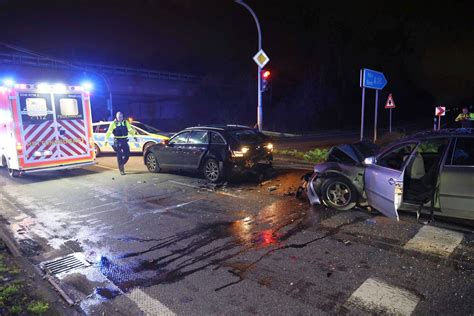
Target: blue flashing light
[(8, 82), (87, 85)]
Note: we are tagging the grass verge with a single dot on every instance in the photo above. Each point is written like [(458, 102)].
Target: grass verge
[(16, 296), (315, 155)]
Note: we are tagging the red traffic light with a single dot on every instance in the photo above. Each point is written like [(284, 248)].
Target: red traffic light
[(266, 74)]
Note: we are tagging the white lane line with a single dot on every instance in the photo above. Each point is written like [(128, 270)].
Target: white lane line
[(167, 208), (434, 240), (147, 304), (206, 189), (381, 298), (184, 184)]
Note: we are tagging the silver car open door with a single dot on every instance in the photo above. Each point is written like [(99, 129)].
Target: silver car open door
[(384, 179)]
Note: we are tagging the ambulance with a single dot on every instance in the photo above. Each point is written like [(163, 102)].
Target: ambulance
[(45, 127)]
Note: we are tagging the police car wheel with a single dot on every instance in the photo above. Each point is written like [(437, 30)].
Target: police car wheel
[(152, 163)]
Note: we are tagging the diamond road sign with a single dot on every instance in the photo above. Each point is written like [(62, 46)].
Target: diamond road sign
[(372, 79), (261, 58)]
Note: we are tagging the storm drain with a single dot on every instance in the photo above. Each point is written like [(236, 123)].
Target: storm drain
[(65, 264)]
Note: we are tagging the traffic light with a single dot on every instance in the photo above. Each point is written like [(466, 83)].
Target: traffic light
[(265, 80)]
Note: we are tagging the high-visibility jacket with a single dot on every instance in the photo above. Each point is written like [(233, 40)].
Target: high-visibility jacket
[(120, 129), (467, 116), (465, 119)]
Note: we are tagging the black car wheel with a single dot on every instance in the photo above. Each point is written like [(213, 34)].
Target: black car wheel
[(211, 170), (152, 163), (338, 193)]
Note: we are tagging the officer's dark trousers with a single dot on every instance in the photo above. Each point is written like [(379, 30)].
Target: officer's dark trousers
[(123, 152)]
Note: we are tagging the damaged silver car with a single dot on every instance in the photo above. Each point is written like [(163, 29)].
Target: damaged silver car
[(428, 172)]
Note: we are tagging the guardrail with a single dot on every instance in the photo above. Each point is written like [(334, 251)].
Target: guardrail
[(16, 59)]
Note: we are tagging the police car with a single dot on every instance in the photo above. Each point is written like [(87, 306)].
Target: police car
[(145, 136)]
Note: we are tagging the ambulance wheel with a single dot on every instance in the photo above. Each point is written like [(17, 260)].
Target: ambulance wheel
[(13, 173), (152, 163), (97, 150)]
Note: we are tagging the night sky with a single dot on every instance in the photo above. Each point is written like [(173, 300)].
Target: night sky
[(316, 48)]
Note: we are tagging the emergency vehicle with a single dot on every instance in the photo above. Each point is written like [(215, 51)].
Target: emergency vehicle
[(45, 127), (145, 136)]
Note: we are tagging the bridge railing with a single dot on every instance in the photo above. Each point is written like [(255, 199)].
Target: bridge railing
[(16, 59)]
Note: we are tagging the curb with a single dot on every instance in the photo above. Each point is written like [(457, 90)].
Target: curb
[(11, 245)]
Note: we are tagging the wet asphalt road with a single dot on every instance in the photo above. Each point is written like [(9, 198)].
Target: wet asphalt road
[(172, 244)]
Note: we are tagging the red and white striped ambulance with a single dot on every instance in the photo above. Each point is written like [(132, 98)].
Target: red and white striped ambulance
[(45, 127)]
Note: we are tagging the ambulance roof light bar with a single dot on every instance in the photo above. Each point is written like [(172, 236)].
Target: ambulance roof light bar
[(45, 87)]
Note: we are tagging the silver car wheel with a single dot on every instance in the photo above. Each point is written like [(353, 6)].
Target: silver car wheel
[(211, 170), (339, 194)]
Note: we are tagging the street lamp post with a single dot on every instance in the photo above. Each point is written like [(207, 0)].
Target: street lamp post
[(259, 80)]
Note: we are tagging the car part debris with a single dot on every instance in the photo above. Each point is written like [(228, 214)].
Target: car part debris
[(272, 188)]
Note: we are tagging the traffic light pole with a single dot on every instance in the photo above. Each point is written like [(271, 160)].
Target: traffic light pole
[(259, 83)]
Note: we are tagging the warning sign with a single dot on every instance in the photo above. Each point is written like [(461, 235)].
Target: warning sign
[(440, 111), (390, 103)]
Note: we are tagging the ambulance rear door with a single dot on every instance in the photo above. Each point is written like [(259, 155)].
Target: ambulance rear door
[(37, 123), (74, 125)]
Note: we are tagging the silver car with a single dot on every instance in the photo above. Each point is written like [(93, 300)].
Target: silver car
[(431, 171)]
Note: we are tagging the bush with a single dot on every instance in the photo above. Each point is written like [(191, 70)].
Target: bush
[(38, 307), (316, 155)]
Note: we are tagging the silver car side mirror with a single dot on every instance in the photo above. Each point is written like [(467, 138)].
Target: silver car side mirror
[(369, 160)]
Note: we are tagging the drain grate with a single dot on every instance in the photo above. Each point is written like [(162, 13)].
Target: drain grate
[(65, 264)]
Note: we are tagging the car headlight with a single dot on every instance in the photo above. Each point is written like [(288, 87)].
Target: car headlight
[(269, 146), (241, 152)]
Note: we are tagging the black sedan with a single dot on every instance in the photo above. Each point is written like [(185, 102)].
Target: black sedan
[(216, 151)]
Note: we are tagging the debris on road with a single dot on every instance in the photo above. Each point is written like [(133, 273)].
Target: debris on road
[(265, 182), (371, 221), (272, 188)]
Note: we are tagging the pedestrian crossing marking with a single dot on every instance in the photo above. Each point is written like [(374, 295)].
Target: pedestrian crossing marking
[(434, 240), (381, 298)]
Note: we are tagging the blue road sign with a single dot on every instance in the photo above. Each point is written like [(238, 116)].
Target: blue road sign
[(372, 79)]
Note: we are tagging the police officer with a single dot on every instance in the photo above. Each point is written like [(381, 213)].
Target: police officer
[(121, 129), (465, 118)]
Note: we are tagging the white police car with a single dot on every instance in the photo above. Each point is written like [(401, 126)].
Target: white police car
[(145, 135)]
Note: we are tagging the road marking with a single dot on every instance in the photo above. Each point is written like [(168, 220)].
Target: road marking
[(184, 184), (434, 240), (381, 298), (206, 189), (167, 208), (147, 304)]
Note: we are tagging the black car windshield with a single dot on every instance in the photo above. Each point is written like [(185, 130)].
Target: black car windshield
[(248, 136), (146, 128)]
